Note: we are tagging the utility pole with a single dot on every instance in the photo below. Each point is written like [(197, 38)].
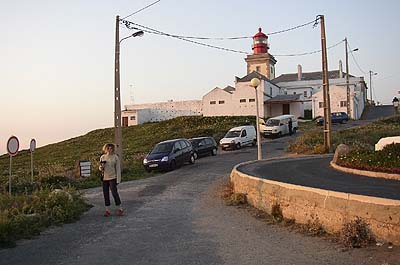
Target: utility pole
[(117, 96), (347, 80), (325, 83), (371, 73)]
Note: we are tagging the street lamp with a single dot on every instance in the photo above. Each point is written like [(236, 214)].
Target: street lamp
[(254, 83), (371, 73), (117, 92), (347, 77)]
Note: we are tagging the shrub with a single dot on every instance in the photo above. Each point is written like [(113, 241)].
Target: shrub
[(386, 160), (356, 234), (276, 213), (24, 216)]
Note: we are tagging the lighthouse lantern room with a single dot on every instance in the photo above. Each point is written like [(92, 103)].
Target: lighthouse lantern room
[(261, 61)]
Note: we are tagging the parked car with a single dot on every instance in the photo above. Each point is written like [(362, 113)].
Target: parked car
[(203, 146), (336, 117), (237, 137), (279, 125), (169, 154)]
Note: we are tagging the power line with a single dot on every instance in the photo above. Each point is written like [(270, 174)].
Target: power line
[(157, 32), (142, 9), (354, 59), (315, 21), (136, 26), (306, 53)]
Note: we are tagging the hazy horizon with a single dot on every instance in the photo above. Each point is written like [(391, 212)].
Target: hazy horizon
[(57, 71)]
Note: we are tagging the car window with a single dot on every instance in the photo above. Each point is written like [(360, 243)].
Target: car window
[(162, 148), (244, 133), (232, 134), (177, 146), (208, 141), (272, 122), (183, 144)]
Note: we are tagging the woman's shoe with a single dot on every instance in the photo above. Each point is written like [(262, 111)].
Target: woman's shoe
[(120, 212), (107, 213)]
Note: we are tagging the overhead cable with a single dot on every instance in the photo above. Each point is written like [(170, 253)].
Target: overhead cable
[(354, 59), (314, 22), (306, 53), (142, 9)]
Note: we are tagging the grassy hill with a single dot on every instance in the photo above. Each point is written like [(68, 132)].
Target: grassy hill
[(61, 159)]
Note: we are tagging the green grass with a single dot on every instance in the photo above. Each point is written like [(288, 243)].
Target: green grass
[(61, 159), (361, 140)]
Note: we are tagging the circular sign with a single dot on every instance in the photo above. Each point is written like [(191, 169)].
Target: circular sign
[(12, 145), (32, 145)]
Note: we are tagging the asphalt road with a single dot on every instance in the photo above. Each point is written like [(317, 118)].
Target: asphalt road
[(315, 172), (179, 218)]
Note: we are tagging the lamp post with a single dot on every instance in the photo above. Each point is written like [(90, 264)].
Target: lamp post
[(371, 73), (347, 77), (254, 83), (117, 92)]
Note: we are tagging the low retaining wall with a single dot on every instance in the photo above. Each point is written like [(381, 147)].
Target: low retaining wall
[(371, 174), (331, 209)]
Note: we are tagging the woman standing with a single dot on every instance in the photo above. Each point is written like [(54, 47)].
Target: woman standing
[(111, 169)]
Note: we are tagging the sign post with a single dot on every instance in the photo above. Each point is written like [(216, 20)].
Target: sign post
[(32, 148), (12, 149)]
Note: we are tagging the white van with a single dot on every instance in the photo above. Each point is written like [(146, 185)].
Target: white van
[(237, 137), (278, 126)]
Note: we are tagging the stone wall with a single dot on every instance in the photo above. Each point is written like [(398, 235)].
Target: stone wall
[(331, 209)]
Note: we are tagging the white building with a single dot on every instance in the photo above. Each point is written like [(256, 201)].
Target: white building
[(151, 112), (241, 99), (309, 85)]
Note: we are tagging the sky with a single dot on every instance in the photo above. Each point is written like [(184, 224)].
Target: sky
[(57, 57)]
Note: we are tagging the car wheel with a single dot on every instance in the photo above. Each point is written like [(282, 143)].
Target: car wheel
[(254, 142), (214, 152), (279, 135), (172, 165), (192, 159), (148, 170), (238, 146), (195, 155)]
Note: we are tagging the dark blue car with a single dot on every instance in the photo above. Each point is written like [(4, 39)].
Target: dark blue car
[(336, 117), (168, 155)]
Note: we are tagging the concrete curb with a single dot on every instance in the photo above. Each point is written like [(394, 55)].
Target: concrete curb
[(366, 173), (330, 208)]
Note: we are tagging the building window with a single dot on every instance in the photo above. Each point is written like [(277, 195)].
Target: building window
[(213, 102), (343, 104), (272, 70), (221, 102), (133, 118), (242, 100), (252, 100), (305, 94), (321, 105), (258, 68)]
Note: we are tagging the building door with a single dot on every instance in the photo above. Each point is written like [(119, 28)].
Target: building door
[(285, 109), (124, 121)]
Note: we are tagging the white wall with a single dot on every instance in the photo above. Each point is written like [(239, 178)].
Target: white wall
[(152, 112), (337, 94)]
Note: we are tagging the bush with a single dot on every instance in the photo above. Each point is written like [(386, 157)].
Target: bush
[(386, 160), (356, 234), (24, 216)]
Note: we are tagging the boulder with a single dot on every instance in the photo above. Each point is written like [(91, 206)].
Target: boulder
[(385, 141), (342, 149)]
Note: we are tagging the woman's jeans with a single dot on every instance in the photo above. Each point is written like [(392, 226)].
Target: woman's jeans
[(107, 186)]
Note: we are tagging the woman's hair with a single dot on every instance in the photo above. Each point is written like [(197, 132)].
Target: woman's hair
[(105, 147)]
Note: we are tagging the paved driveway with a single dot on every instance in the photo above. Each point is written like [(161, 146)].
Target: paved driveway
[(179, 218)]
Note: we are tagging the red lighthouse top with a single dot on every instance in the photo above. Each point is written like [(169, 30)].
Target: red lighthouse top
[(260, 43)]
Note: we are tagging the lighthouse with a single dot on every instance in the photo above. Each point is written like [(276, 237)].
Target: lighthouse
[(261, 61)]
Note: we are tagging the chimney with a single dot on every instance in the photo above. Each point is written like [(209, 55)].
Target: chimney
[(299, 72), (340, 69)]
